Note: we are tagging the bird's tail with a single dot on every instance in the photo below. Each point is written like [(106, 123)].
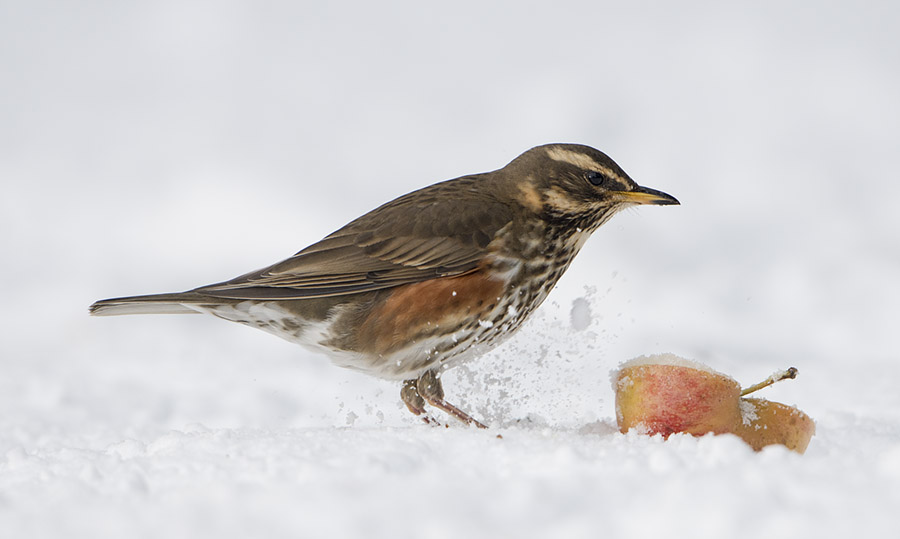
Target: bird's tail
[(153, 304)]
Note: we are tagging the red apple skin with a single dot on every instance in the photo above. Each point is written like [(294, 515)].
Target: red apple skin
[(664, 399), (769, 423)]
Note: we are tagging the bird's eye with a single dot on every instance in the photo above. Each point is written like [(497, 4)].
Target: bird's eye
[(596, 178)]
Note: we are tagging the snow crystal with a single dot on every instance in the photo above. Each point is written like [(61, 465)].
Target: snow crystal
[(748, 412), (580, 314)]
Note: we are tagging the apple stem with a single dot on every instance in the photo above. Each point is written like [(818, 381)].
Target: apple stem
[(778, 376)]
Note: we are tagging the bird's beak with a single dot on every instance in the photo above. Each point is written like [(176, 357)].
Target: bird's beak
[(645, 195)]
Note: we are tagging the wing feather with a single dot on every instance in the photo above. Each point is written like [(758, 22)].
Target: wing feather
[(441, 230)]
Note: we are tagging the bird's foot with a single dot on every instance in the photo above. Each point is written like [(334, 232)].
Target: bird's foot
[(427, 388)]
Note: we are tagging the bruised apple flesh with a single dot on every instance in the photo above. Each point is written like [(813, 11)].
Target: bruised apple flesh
[(665, 394)]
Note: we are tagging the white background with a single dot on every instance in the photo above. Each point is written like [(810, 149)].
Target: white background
[(157, 146)]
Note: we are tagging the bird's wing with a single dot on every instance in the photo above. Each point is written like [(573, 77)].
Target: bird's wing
[(442, 230)]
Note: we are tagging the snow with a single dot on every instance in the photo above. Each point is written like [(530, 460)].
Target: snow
[(153, 147), (667, 358), (580, 314), (748, 411)]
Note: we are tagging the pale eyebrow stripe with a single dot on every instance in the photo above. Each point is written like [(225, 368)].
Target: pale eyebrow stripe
[(574, 158), (583, 161)]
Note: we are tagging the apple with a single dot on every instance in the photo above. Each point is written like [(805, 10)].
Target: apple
[(766, 423), (665, 394)]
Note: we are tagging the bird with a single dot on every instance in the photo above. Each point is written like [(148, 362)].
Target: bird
[(428, 280)]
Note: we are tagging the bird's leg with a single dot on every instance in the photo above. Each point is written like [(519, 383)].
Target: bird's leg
[(428, 388), (409, 393)]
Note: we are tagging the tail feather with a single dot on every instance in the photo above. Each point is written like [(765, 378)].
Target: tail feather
[(152, 304)]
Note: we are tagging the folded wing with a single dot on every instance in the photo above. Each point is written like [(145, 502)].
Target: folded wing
[(443, 230)]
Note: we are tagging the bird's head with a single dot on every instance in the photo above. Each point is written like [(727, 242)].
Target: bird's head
[(576, 184)]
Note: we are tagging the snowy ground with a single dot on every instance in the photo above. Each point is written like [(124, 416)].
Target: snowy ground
[(159, 146)]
